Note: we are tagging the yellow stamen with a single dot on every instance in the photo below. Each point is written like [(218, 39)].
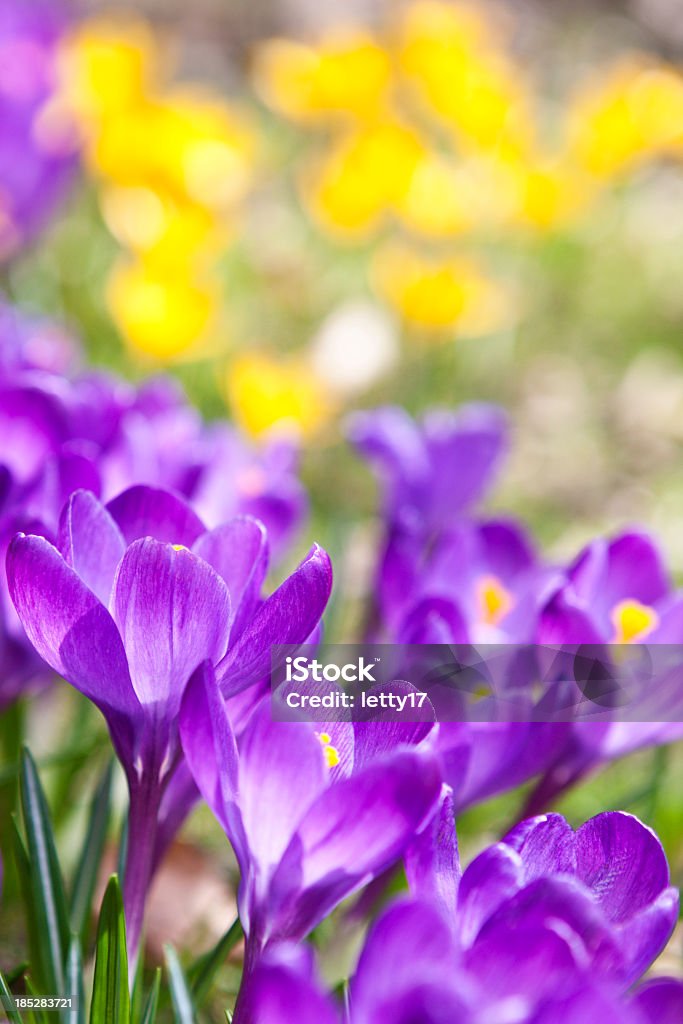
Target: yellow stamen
[(330, 753), (632, 621), (178, 547), (494, 600)]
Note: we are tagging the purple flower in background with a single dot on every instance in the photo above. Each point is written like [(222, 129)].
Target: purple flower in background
[(134, 596), (37, 140), (616, 591), (304, 838), (433, 472)]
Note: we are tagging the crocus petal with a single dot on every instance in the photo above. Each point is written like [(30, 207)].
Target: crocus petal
[(409, 945), (288, 616), (91, 543), (150, 512), (238, 551), (282, 989), (493, 877), (208, 743), (354, 830), (622, 862), (70, 629), (660, 1001), (644, 936), (281, 772), (545, 845), (390, 440), (432, 863), (527, 964), (173, 612), (562, 904)]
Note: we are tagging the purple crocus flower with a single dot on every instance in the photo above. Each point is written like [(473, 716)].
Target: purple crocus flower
[(304, 838), (616, 591), (421, 980), (37, 141), (132, 598), (608, 883)]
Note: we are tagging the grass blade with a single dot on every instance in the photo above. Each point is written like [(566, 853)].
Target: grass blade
[(91, 855), (47, 885), (12, 1015), (149, 1014), (74, 983), (204, 970), (110, 996), (183, 1010)]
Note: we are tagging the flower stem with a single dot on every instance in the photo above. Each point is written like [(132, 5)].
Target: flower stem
[(143, 811)]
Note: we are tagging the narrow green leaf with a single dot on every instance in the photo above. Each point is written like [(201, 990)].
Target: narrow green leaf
[(74, 983), (149, 1014), (35, 1016), (23, 867), (49, 901), (205, 968), (183, 1011), (91, 854), (12, 1015), (110, 997)]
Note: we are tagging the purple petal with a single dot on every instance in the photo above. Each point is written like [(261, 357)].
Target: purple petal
[(660, 1001), (91, 543), (353, 831), (493, 877), (150, 512), (432, 863), (69, 628), (173, 613), (622, 862), (288, 616), (282, 771), (210, 749), (644, 936), (284, 989), (238, 551), (408, 946), (545, 845)]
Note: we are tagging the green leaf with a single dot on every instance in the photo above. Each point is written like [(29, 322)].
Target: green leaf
[(149, 1014), (12, 1015), (91, 855), (110, 997), (74, 983), (23, 867), (204, 969), (47, 885), (183, 1010)]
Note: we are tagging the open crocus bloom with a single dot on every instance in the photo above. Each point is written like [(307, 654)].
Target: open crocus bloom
[(133, 598), (607, 884), (304, 839)]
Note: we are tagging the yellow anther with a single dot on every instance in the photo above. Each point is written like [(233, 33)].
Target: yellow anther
[(494, 600), (178, 547), (632, 621), (330, 753)]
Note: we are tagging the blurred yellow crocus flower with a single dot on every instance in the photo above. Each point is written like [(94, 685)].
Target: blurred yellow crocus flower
[(441, 294), (347, 74), (635, 113), (456, 67), (269, 394), (162, 313), (107, 65), (365, 176)]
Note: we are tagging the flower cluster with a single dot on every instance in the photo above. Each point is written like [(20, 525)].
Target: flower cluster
[(137, 549), (173, 164), (37, 136), (437, 128), (447, 576)]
